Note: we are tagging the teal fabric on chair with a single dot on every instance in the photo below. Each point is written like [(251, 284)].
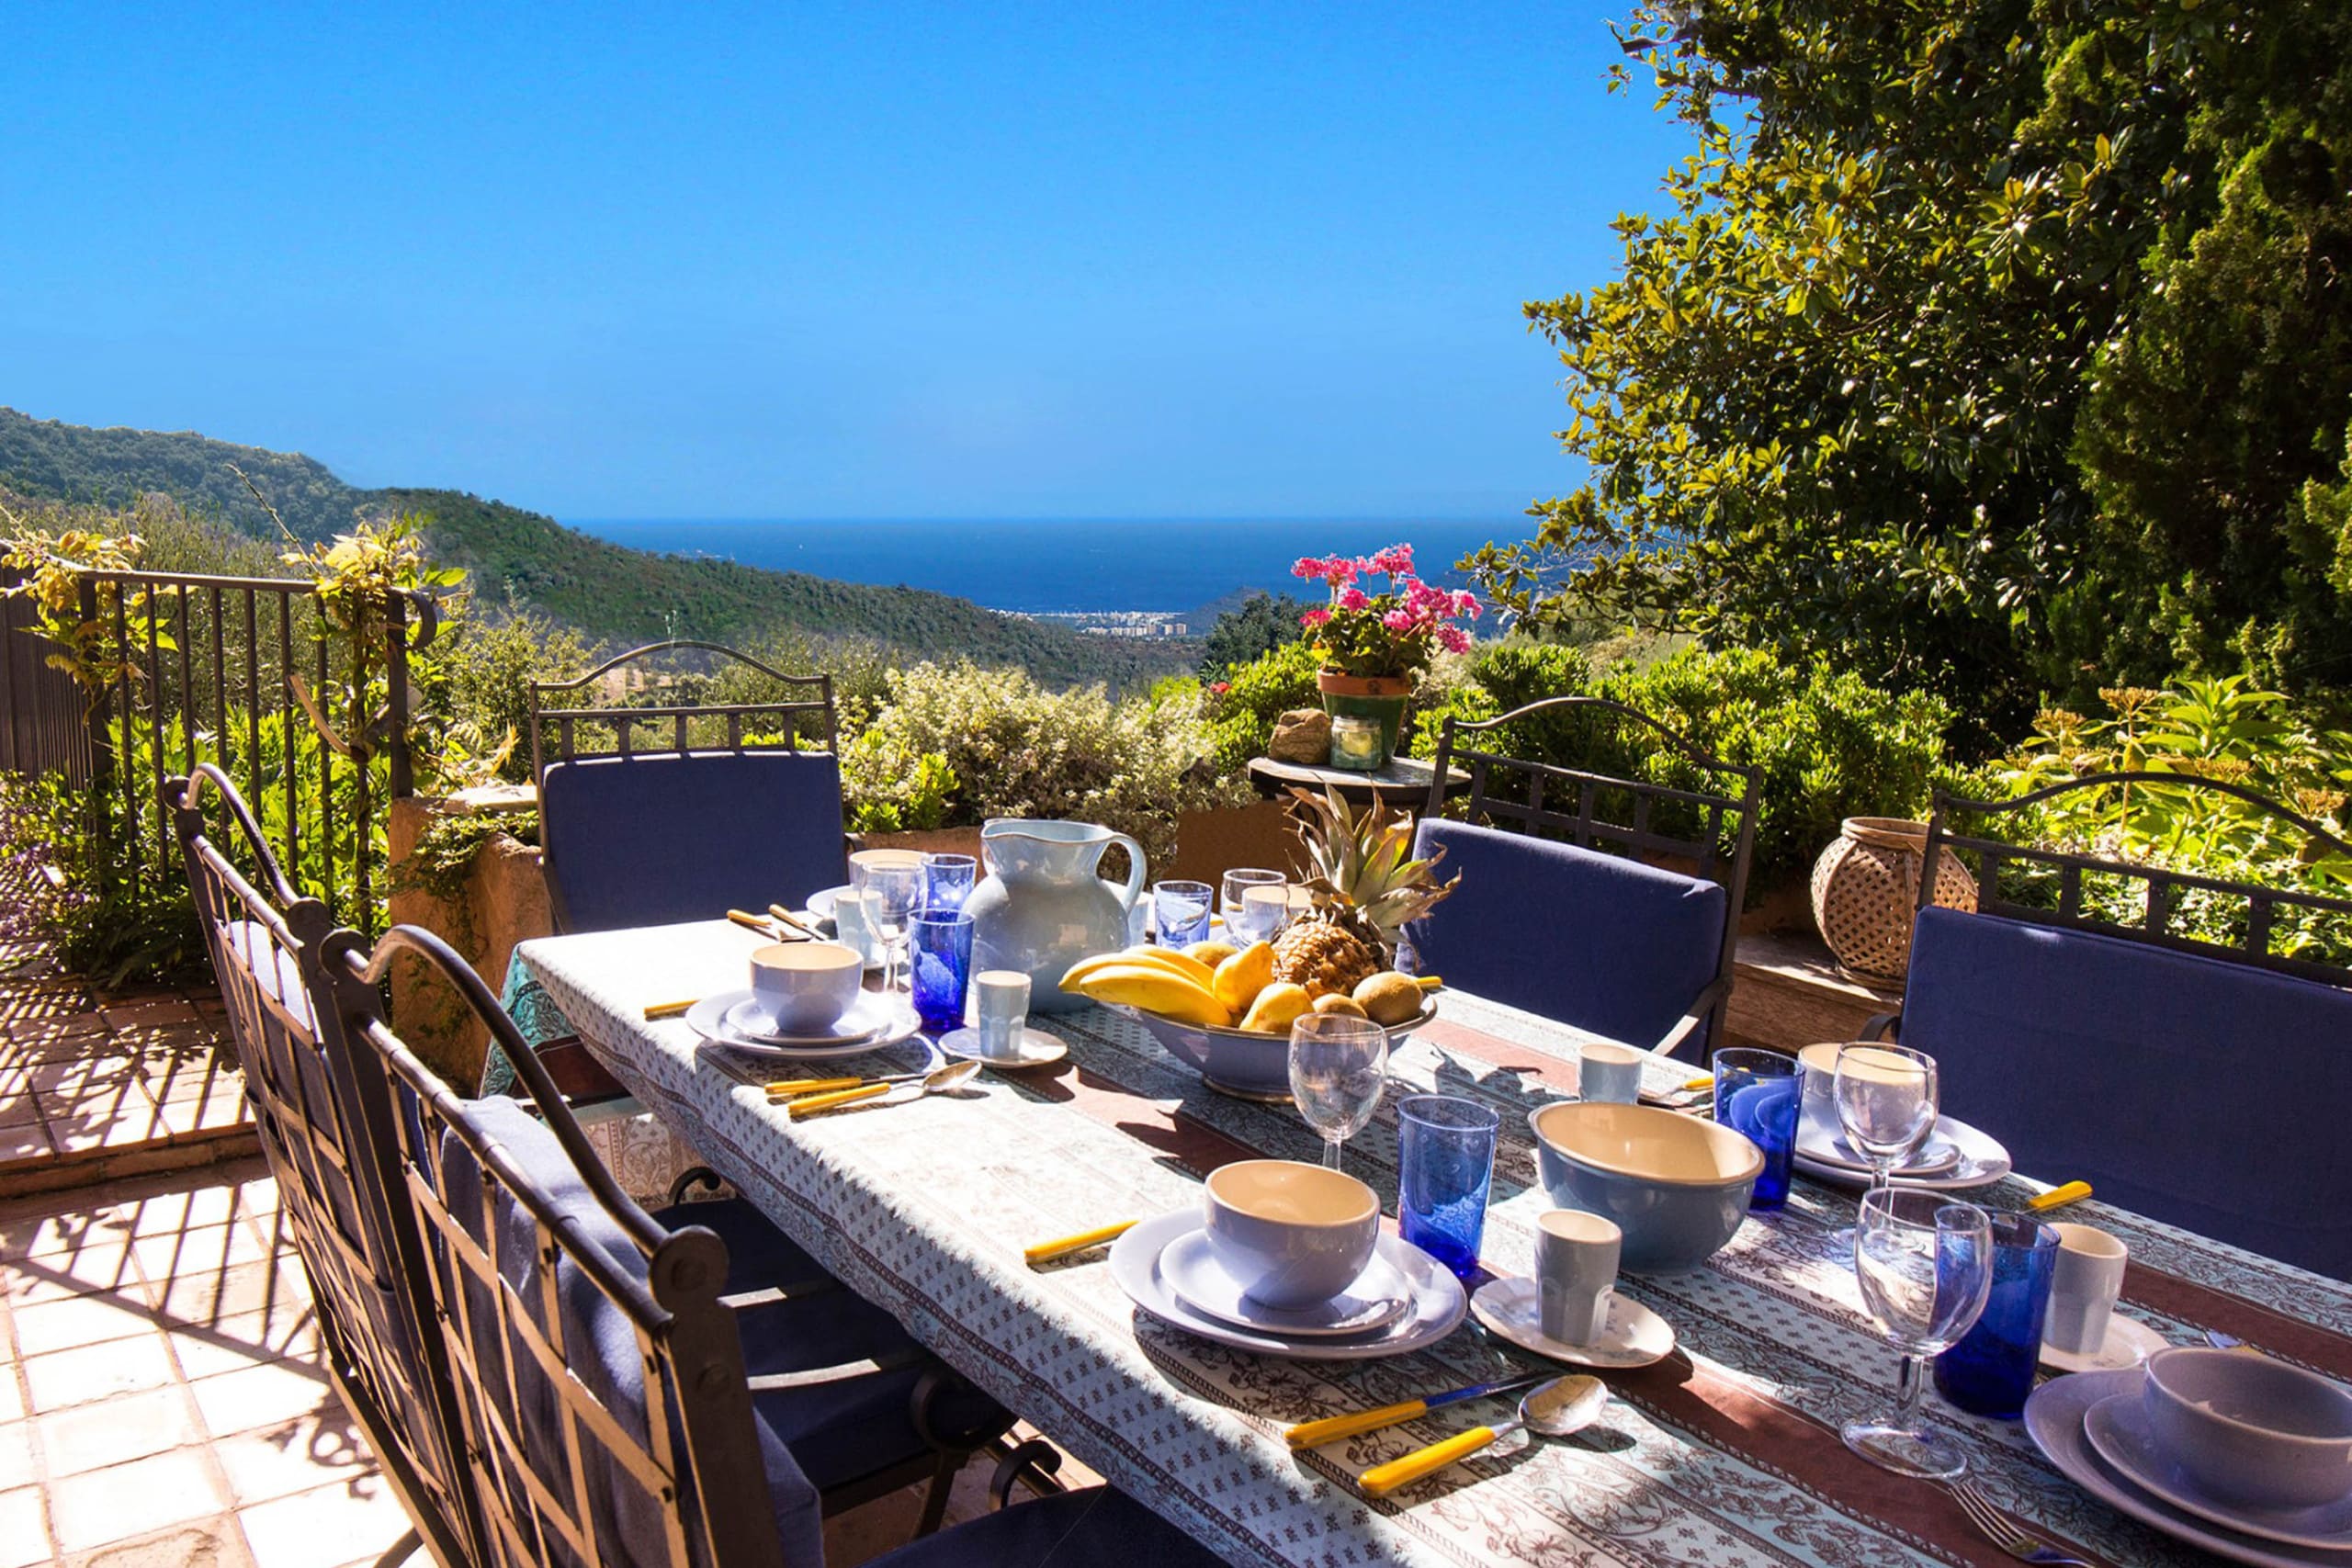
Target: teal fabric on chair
[(1602, 943), (649, 840), (2202, 1092)]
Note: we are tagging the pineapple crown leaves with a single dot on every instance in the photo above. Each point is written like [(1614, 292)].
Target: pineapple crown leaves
[(1363, 862)]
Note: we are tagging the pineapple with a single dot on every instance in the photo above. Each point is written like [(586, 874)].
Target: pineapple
[(1366, 886)]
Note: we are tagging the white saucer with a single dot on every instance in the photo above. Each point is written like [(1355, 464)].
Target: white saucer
[(1437, 1309), (872, 1023), (1036, 1049), (2129, 1342), (1982, 1162), (2054, 1420), (1632, 1337), (1829, 1146), (1376, 1297), (2117, 1429)]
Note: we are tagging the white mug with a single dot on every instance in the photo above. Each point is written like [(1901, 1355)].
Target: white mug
[(1609, 1073), (2083, 1288), (1576, 1267), (849, 925), (999, 1009)]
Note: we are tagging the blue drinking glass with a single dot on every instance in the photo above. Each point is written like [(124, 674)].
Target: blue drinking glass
[(1445, 1163), (939, 946), (1990, 1372), (1759, 1093), (948, 881), (1180, 911)]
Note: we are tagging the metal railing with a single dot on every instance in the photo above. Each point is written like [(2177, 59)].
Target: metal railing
[(236, 671)]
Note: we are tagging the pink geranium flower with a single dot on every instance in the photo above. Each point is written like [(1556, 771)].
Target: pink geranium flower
[(1395, 560), (1314, 618), (1454, 639), (1401, 621), (1352, 598)]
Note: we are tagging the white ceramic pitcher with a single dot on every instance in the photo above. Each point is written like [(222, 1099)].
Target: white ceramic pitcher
[(1040, 908)]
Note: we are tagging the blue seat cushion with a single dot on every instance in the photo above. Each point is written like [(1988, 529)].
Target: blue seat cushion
[(1069, 1529), (652, 840), (1605, 944), (2194, 1090), (759, 1255)]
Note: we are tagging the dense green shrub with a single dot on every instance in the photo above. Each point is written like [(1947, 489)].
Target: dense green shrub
[(2220, 729), (484, 670), (1009, 748)]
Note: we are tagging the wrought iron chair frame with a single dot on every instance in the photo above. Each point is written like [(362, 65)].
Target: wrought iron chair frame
[(685, 1331), (2262, 903), (679, 716), (1587, 829), (305, 1122)]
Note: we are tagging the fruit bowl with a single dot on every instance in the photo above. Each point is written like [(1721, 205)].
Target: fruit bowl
[(1245, 1063)]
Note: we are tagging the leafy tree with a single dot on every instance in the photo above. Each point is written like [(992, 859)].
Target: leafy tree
[(1259, 624), (1987, 346)]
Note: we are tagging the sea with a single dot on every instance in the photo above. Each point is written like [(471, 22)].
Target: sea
[(1062, 567)]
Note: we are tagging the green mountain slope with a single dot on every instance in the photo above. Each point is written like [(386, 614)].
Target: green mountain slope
[(607, 590)]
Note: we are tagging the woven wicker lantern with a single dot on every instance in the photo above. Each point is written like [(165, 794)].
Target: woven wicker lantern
[(1865, 890)]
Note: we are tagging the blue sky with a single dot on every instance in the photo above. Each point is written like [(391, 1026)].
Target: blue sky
[(778, 260)]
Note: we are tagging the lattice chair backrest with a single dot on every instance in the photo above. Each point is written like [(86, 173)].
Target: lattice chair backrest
[(2095, 893), (313, 1133), (804, 712), (598, 1374)]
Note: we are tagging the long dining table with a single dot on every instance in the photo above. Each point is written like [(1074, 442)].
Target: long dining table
[(1726, 1452)]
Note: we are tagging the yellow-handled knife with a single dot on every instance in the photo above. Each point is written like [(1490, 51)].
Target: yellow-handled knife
[(1062, 1246), (1554, 1408), (1331, 1428), (2073, 1193), (656, 1012)]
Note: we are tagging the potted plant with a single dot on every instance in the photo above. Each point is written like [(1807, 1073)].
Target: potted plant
[(1374, 646)]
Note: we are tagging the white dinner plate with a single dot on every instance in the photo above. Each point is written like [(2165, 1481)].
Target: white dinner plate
[(2117, 1429), (1036, 1049), (2053, 1419), (1983, 1161), (1633, 1335), (1826, 1145), (822, 903), (1437, 1311), (871, 1023), (1375, 1299), (2129, 1342)]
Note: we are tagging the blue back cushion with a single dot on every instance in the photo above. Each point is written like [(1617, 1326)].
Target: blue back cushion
[(2197, 1091), (652, 840), (601, 1350), (1606, 944)]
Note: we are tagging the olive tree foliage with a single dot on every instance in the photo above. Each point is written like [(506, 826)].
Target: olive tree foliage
[(2001, 348)]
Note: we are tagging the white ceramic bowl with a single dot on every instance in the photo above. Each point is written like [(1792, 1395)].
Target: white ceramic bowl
[(805, 986), (2250, 1430), (1294, 1235), (1677, 1187)]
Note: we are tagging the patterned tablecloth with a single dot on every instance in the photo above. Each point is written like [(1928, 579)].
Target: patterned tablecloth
[(1725, 1453)]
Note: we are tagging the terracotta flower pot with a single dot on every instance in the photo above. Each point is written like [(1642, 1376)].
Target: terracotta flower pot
[(1382, 699)]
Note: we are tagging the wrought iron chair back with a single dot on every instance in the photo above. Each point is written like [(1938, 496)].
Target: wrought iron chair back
[(314, 1131), (807, 713), (1682, 828), (599, 1376), (2163, 889)]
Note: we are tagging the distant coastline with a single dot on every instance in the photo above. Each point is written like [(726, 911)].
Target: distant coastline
[(1057, 567)]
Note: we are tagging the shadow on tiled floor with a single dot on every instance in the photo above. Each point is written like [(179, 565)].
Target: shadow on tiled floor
[(161, 1400)]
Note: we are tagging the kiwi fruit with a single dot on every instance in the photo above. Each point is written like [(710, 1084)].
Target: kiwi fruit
[(1389, 998), (1337, 1003)]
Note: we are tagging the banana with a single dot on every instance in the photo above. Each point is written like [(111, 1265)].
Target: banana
[(1156, 990), (1161, 957), (1240, 977)]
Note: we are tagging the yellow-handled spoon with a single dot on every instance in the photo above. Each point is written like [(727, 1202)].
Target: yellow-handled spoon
[(1551, 1410), (1062, 1246), (953, 1076), (1331, 1428)]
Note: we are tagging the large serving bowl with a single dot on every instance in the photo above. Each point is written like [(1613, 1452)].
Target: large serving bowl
[(1677, 1187), (1242, 1062), (2250, 1430)]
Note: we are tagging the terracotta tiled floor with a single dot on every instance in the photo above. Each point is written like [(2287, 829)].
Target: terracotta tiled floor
[(161, 1403)]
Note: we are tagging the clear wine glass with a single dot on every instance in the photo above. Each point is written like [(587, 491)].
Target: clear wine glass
[(1925, 1265), (1264, 908), (891, 894), (1338, 1065), (1233, 890), (1887, 1103)]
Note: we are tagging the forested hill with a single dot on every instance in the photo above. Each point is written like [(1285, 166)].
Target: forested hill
[(607, 589)]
